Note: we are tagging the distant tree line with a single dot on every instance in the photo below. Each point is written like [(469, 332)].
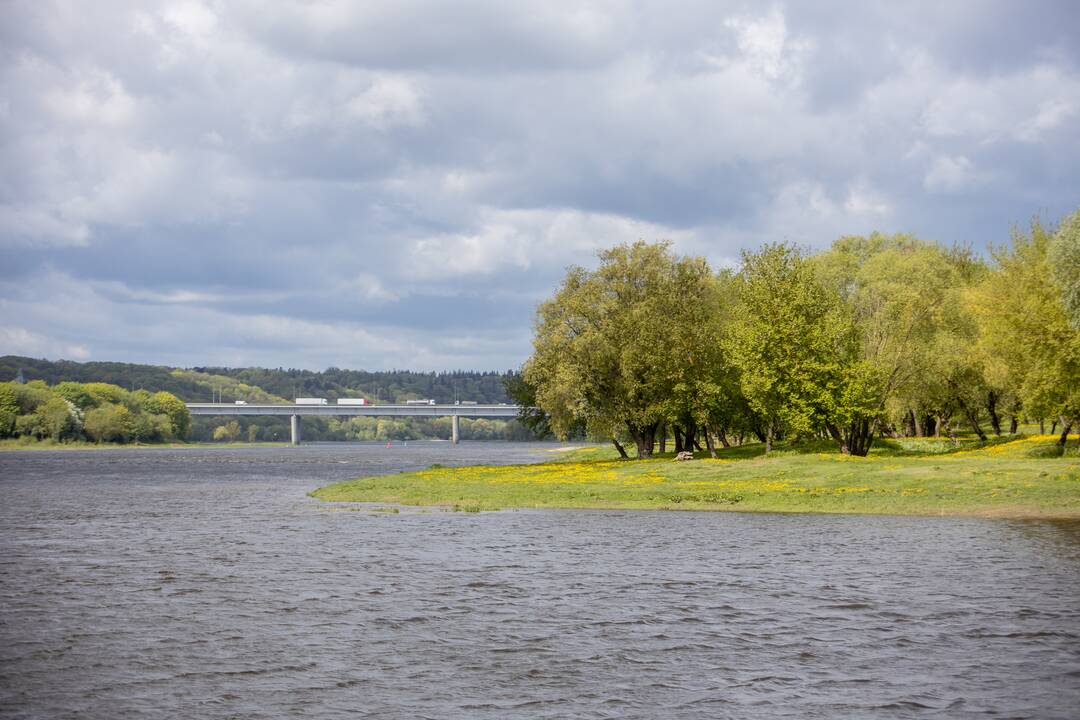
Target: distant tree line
[(204, 384), (229, 385), (100, 412), (878, 335)]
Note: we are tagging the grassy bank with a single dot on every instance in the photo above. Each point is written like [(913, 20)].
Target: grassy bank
[(1012, 478)]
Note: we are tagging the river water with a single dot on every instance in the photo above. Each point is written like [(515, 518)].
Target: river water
[(204, 583)]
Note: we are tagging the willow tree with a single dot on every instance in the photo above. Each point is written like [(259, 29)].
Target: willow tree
[(907, 348), (783, 341), (1028, 326), (612, 344)]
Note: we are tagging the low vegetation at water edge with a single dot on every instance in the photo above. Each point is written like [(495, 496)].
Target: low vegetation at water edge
[(1022, 477)]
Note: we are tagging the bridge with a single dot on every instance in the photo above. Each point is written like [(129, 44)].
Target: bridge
[(455, 412)]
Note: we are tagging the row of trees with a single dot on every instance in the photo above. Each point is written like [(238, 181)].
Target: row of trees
[(96, 411), (885, 334), (384, 429)]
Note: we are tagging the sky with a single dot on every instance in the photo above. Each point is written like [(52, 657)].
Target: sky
[(387, 185)]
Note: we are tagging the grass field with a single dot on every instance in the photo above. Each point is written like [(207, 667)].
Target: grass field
[(1010, 477)]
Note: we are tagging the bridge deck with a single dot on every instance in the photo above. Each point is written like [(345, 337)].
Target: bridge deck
[(484, 411)]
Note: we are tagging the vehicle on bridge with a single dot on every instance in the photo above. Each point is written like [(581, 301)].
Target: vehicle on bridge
[(353, 401), (310, 401), (419, 402)]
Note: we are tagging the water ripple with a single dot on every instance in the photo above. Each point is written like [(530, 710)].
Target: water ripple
[(204, 583)]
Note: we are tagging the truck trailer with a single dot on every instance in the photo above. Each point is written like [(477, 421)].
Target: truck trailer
[(310, 401), (353, 401)]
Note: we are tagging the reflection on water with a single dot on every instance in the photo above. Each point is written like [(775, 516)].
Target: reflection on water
[(204, 583)]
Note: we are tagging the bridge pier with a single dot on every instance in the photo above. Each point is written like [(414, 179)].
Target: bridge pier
[(294, 426), (455, 426)]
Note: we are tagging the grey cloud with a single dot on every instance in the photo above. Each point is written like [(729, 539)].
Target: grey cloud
[(226, 183)]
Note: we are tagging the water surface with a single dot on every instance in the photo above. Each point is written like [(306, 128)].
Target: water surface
[(204, 583)]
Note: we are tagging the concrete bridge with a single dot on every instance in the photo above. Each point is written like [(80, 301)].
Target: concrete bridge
[(455, 412)]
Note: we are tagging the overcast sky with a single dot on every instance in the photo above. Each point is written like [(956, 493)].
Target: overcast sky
[(396, 185)]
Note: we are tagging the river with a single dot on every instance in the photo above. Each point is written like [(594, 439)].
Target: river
[(204, 583)]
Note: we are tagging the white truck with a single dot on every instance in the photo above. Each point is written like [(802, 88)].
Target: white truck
[(419, 402), (310, 401), (353, 401)]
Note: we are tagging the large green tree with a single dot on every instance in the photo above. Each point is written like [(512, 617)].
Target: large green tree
[(1028, 326), (783, 340), (604, 352)]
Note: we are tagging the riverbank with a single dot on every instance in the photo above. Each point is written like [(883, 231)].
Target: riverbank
[(1009, 478)]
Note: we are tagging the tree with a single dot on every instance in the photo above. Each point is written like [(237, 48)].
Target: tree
[(168, 404), (229, 431), (781, 340), (904, 337), (76, 394), (9, 410), (59, 419), (106, 393), (109, 423), (602, 349), (523, 394), (1027, 324), (1064, 259)]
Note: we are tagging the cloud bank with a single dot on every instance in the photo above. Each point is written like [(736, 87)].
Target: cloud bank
[(397, 185)]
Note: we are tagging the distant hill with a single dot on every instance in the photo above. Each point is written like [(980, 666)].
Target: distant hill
[(201, 384)]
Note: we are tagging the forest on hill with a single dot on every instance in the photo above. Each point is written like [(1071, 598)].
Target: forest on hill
[(268, 385), (202, 384)]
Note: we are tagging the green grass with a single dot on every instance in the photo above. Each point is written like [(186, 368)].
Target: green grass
[(1007, 477)]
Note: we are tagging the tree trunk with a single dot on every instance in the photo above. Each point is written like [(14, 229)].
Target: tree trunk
[(663, 438), (644, 437), (1066, 426), (937, 426), (839, 438), (678, 439), (1053, 427), (709, 443), (1042, 426), (1013, 425), (972, 419), (689, 437), (916, 426), (768, 438), (722, 434), (949, 431), (991, 407), (622, 451)]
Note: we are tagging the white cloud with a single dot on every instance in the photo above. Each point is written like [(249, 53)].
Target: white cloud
[(30, 226), (390, 101), (524, 239), (94, 97), (19, 341), (766, 47), (950, 174)]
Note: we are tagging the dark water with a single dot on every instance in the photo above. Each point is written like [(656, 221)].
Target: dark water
[(204, 584)]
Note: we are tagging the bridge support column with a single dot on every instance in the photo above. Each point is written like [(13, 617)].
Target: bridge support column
[(294, 426), (455, 425)]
